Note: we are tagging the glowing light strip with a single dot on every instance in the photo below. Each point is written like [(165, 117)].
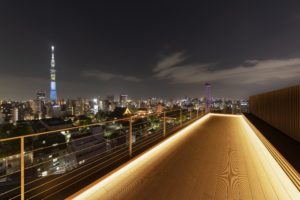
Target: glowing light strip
[(279, 179), (271, 166), (224, 115), (86, 192), (285, 165)]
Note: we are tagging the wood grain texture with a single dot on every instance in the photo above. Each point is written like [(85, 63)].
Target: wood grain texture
[(216, 160)]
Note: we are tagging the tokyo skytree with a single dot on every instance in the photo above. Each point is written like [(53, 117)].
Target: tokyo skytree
[(53, 95)]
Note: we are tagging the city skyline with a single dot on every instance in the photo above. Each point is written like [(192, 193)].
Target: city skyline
[(149, 100), (135, 48)]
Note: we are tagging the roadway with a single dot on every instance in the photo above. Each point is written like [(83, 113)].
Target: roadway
[(216, 157)]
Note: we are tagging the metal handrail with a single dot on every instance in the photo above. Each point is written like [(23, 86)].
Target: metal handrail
[(164, 128)]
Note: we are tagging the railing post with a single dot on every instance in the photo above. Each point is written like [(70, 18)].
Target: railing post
[(130, 136), (165, 128), (22, 169), (180, 117), (197, 112), (190, 114)]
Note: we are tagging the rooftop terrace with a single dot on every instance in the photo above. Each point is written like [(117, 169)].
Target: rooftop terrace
[(216, 157)]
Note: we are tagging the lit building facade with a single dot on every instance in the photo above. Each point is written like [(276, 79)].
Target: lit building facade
[(123, 100), (41, 95)]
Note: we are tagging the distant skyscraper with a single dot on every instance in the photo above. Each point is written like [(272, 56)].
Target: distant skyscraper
[(123, 100), (53, 95), (15, 117), (208, 97), (39, 104), (41, 95)]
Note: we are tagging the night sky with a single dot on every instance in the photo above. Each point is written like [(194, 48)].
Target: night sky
[(160, 48)]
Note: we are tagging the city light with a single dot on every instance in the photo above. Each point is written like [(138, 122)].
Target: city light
[(100, 96)]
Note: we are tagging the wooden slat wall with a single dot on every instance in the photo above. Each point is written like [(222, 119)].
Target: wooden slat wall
[(280, 108)]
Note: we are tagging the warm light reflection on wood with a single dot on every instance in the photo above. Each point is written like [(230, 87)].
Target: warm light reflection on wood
[(218, 156)]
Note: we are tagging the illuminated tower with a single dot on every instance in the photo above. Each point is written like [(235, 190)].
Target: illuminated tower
[(208, 97), (53, 95)]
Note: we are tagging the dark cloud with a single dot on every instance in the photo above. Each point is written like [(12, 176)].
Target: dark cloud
[(251, 72), (160, 48)]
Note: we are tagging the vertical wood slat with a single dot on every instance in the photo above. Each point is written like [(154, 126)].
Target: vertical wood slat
[(280, 108)]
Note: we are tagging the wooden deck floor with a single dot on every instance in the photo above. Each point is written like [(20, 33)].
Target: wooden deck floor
[(216, 158)]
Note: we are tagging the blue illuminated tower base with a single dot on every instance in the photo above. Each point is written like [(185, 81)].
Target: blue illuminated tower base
[(53, 96)]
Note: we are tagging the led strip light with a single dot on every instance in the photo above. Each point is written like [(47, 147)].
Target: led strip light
[(270, 165)]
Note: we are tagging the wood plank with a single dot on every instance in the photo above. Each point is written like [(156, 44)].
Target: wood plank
[(216, 160)]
